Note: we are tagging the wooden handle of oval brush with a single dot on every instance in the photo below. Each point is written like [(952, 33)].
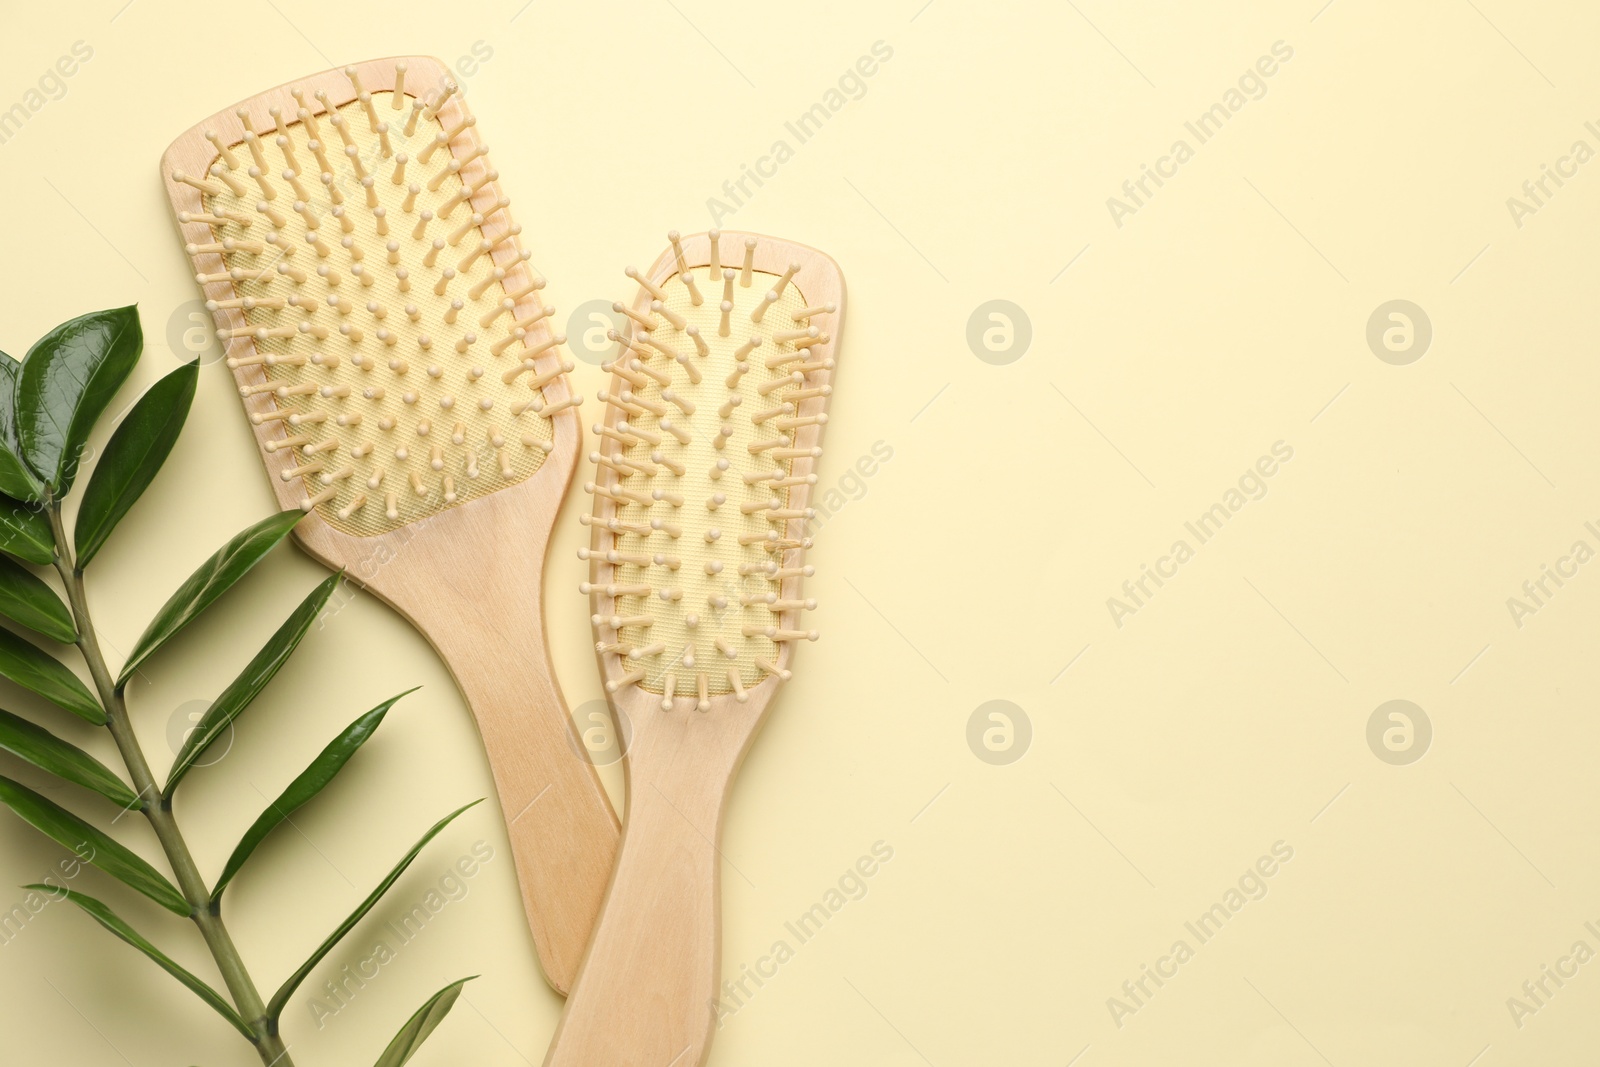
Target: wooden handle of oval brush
[(647, 991), (485, 623)]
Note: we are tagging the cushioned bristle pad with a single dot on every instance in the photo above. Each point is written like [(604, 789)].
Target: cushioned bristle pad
[(698, 458), (415, 399)]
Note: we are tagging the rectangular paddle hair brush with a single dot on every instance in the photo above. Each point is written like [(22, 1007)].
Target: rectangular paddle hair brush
[(707, 459), (394, 358)]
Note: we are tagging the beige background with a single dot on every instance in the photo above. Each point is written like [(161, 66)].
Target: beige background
[(1167, 355)]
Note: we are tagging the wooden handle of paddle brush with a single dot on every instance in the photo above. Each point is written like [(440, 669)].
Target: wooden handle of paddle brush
[(486, 622)]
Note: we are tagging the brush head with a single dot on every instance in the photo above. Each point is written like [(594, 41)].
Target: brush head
[(705, 462), (383, 322)]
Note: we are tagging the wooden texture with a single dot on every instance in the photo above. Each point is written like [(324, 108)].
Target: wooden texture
[(468, 578), (645, 993)]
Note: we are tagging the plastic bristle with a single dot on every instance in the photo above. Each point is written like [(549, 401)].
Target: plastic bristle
[(698, 456), (357, 332)]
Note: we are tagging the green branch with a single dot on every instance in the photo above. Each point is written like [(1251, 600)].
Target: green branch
[(157, 809)]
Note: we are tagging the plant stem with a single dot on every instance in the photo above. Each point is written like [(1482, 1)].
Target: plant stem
[(158, 810)]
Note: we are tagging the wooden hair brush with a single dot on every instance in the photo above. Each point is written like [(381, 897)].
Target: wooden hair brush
[(704, 472), (386, 333)]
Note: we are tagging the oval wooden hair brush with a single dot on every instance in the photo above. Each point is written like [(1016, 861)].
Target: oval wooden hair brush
[(387, 337), (705, 467)]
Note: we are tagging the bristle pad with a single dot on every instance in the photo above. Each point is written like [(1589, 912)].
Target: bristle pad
[(425, 427), (693, 655)]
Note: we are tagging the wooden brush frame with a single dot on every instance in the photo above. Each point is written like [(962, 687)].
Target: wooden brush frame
[(650, 977), (820, 280), (469, 577)]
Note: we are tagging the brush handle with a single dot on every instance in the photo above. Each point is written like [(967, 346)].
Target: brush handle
[(559, 821), (485, 621), (646, 992)]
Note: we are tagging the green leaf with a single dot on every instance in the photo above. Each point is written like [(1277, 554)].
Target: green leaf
[(254, 678), (65, 382), (107, 918), (33, 669), (16, 480), (285, 991), (25, 532), (310, 782), (27, 600), (137, 449), (58, 823), (48, 752), (420, 1025), (215, 577)]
